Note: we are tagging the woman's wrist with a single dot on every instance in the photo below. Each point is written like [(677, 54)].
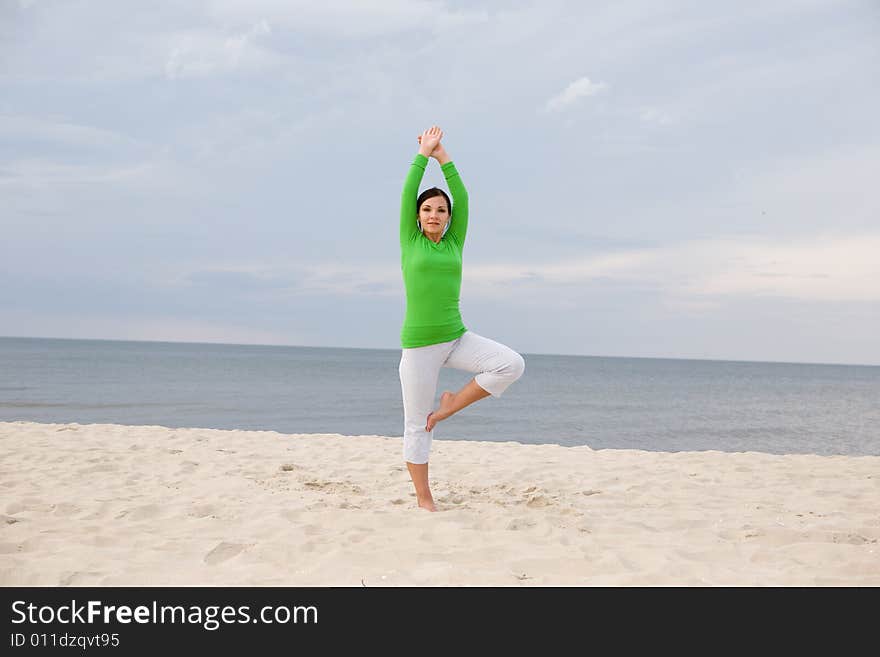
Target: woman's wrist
[(443, 158)]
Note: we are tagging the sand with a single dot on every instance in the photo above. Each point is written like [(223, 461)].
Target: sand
[(115, 505)]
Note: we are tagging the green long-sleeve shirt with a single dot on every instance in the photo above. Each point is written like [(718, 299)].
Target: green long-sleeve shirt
[(431, 272)]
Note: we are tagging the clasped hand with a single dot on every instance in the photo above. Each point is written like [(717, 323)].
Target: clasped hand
[(429, 143)]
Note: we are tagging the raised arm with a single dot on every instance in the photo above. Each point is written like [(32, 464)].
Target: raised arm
[(408, 211), (459, 221)]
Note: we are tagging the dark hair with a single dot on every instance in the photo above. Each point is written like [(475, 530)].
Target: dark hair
[(431, 193)]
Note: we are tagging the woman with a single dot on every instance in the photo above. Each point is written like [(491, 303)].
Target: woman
[(433, 335)]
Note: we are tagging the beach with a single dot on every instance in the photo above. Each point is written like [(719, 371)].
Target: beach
[(119, 505)]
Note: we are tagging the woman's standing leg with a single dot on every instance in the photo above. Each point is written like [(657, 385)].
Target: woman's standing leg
[(419, 370), (496, 367)]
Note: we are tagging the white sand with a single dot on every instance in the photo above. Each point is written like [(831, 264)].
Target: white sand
[(112, 505)]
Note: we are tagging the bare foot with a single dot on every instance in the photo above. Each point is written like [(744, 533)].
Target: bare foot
[(441, 413), (427, 504)]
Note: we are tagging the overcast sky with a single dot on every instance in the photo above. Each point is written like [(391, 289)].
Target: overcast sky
[(684, 179)]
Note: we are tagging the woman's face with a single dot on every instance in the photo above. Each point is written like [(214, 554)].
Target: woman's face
[(434, 215)]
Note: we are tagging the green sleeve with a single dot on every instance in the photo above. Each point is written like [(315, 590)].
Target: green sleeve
[(408, 212), (459, 223)]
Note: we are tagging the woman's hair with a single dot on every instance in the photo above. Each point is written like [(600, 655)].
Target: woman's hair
[(431, 193)]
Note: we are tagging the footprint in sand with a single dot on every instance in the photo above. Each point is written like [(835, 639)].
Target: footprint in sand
[(80, 578), (520, 523), (225, 551), (186, 468), (851, 538), (290, 515), (204, 510), (144, 512), (66, 509), (534, 497), (31, 504), (538, 501)]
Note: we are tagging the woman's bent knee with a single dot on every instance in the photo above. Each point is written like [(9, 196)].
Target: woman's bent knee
[(498, 379), (514, 367), (517, 366)]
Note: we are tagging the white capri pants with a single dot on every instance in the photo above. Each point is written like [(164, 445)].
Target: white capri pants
[(496, 366)]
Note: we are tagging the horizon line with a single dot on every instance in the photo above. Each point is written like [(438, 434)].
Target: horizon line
[(528, 353)]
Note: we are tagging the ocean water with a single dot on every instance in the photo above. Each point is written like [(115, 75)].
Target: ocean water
[(619, 403)]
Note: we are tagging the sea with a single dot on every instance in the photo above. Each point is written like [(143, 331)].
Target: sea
[(656, 404)]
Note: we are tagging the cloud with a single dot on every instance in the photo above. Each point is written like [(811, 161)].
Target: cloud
[(283, 280), (654, 115), (348, 18), (208, 51), (40, 173), (822, 268), (837, 186), (195, 137), (580, 88), (60, 131), (237, 281), (695, 274)]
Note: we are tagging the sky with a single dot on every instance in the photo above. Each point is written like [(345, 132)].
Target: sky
[(678, 179)]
